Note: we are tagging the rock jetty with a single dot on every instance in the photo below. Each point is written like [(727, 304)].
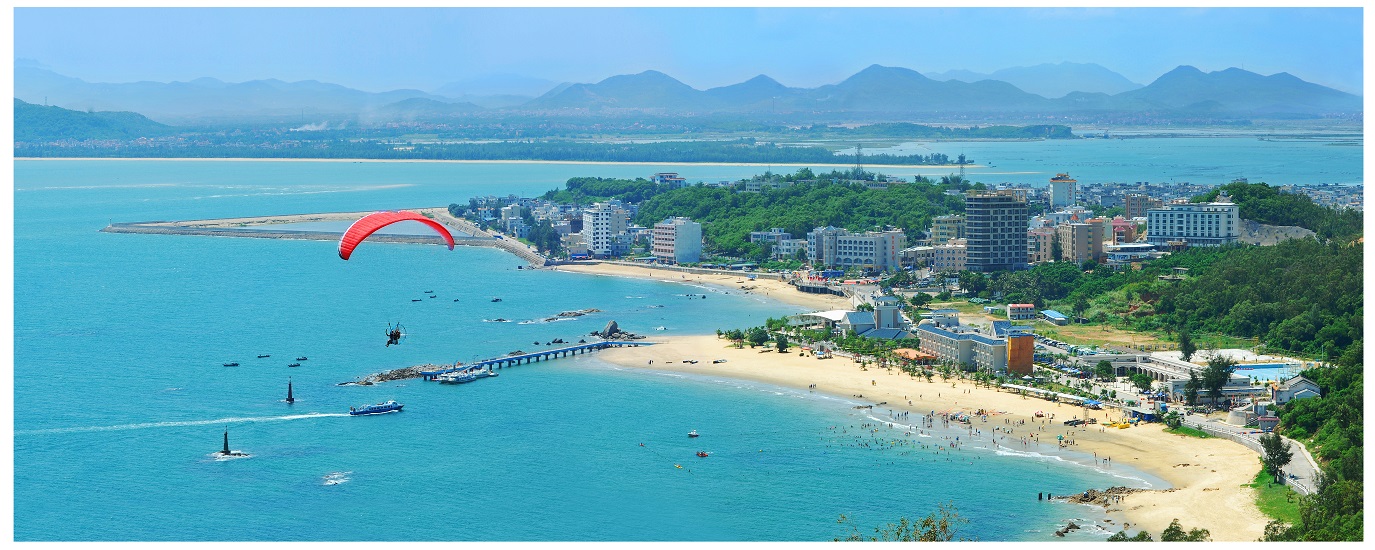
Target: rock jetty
[(397, 374), (1103, 498)]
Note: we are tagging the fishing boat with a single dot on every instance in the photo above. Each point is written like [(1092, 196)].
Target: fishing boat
[(693, 433), (380, 408), (294, 365), (703, 454), (496, 299), (301, 358), (264, 356), (231, 364)]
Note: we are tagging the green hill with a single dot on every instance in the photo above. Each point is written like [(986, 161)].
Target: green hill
[(37, 123)]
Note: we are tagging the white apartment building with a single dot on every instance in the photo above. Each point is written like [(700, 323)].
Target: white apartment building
[(1200, 224), (677, 241), (833, 247), (601, 224), (1062, 190), (950, 256)]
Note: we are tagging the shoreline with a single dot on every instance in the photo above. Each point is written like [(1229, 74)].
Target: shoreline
[(464, 161), (769, 289), (1206, 475)]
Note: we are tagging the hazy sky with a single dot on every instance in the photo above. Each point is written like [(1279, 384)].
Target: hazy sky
[(382, 49)]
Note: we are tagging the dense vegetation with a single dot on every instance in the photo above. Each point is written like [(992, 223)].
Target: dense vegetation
[(811, 201), (1268, 205), (1332, 427), (1300, 295), (37, 123)]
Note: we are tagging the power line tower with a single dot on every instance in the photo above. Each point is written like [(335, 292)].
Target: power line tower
[(859, 152)]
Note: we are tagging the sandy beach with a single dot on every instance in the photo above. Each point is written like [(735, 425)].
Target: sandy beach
[(1207, 474), (774, 290)]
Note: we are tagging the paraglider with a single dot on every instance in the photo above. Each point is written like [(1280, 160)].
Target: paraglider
[(369, 224), (394, 334)]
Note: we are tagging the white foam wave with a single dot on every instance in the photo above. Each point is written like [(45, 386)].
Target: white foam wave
[(176, 424)]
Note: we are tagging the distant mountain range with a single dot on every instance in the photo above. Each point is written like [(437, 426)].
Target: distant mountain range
[(875, 92), (1051, 80)]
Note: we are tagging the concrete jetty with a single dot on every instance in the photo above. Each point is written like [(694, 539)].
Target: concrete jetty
[(260, 227)]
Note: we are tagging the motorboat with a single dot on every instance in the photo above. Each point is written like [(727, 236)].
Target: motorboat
[(496, 299), (294, 365), (380, 408), (694, 433), (302, 358), (703, 454), (264, 356), (231, 364)]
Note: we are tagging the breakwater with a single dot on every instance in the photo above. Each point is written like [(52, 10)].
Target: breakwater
[(260, 228)]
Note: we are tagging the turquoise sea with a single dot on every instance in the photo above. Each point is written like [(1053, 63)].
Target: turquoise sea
[(120, 396)]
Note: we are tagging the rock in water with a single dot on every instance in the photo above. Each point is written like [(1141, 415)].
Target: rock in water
[(611, 329)]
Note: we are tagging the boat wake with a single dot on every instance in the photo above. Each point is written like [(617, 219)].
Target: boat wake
[(335, 478), (175, 424)]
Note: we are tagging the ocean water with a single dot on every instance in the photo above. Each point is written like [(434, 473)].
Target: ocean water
[(120, 396), (1198, 160)]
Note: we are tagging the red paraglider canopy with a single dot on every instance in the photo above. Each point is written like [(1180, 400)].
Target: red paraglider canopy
[(370, 223)]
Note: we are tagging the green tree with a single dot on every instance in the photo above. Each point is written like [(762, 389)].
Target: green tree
[(940, 526), (1186, 344), (920, 299), (1142, 381), (973, 281), (758, 336), (1081, 305), (1175, 533), (1191, 389), (1277, 454), (780, 341), (1215, 376), (1121, 536), (1104, 370), (1173, 420)]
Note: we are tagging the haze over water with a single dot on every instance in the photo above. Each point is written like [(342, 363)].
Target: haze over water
[(120, 396)]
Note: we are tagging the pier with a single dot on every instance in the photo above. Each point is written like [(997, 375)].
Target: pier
[(533, 357)]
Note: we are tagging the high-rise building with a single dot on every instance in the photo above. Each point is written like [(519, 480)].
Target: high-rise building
[(601, 223), (945, 228), (1062, 190), (1080, 242), (1197, 224), (996, 230), (1136, 205), (678, 241)]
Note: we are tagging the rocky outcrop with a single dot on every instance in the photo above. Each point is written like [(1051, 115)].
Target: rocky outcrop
[(1105, 497), (397, 374), (614, 332)]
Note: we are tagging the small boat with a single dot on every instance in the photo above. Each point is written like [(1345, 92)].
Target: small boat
[(417, 300), (703, 454), (694, 433), (496, 299), (302, 358), (661, 328), (380, 408), (264, 356), (231, 364), (429, 292), (455, 299), (434, 296), (294, 365)]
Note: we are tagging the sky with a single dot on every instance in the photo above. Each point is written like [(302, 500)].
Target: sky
[(376, 49)]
